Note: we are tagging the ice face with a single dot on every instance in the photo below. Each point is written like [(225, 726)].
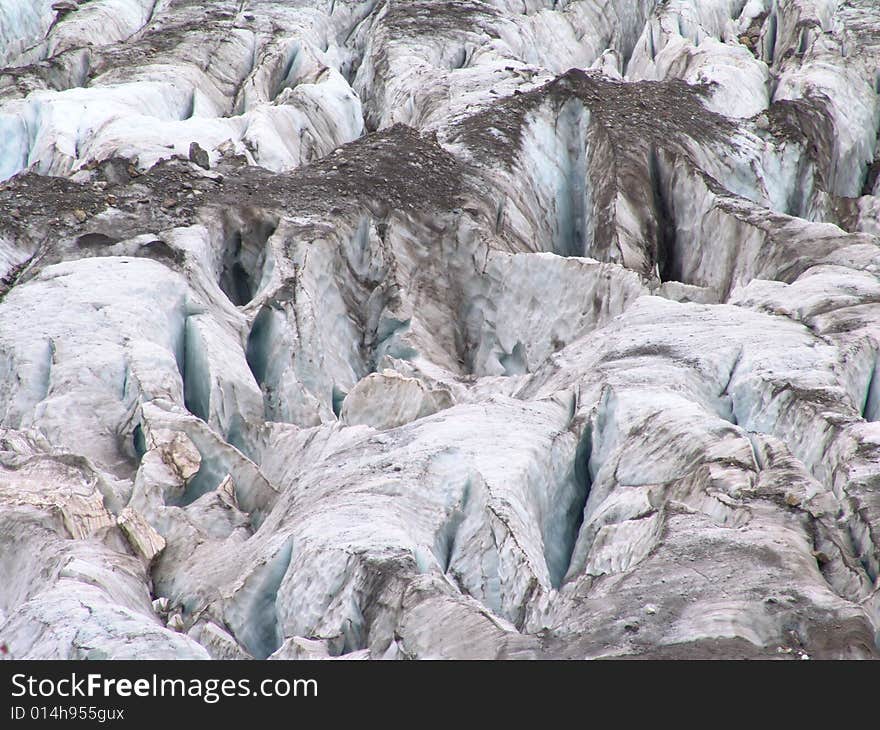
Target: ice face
[(22, 24), (439, 330)]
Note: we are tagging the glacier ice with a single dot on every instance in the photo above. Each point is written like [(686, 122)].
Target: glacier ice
[(391, 330)]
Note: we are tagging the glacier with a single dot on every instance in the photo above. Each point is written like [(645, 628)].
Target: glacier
[(483, 329)]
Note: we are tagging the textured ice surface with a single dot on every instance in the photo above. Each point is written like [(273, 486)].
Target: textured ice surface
[(439, 330)]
